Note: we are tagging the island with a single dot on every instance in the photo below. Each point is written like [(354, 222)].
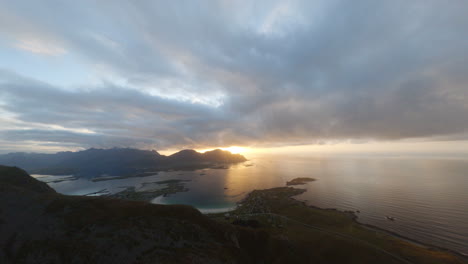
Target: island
[(299, 181), (267, 227)]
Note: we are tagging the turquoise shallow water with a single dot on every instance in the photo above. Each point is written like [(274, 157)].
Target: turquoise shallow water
[(428, 197)]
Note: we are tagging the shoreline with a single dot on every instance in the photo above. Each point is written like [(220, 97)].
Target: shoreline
[(278, 213), (412, 240), (354, 217), (351, 214)]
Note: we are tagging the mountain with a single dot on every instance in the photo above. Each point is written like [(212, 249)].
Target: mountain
[(221, 156), (117, 161), (216, 156)]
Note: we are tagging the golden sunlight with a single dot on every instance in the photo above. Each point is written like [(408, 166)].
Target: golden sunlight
[(236, 150), (232, 149)]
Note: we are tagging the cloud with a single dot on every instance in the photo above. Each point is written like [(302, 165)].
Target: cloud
[(240, 73), (40, 47)]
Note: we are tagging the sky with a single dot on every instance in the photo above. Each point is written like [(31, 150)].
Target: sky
[(170, 75)]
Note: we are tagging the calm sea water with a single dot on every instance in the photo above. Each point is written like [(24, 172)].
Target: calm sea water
[(427, 197)]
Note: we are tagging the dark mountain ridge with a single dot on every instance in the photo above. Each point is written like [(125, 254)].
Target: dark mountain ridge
[(116, 161)]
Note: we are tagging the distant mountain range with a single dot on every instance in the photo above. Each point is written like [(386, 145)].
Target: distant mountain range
[(117, 161)]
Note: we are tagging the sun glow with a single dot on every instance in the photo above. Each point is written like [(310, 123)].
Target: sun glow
[(236, 150), (232, 149)]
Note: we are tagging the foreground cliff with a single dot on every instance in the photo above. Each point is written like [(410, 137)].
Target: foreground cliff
[(38, 225)]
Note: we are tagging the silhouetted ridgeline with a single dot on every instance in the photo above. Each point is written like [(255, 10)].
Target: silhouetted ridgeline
[(116, 161)]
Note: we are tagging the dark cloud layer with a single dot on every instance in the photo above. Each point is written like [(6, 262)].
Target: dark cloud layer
[(191, 74)]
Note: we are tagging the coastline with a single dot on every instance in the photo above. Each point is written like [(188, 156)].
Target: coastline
[(412, 240), (276, 211), (355, 218), (351, 214)]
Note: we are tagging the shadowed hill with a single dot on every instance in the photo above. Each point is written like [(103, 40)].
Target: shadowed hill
[(15, 178), (116, 161)]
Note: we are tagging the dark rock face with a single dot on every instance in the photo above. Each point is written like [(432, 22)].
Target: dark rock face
[(117, 161)]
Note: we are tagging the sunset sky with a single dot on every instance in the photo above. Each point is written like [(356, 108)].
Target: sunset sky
[(169, 75)]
